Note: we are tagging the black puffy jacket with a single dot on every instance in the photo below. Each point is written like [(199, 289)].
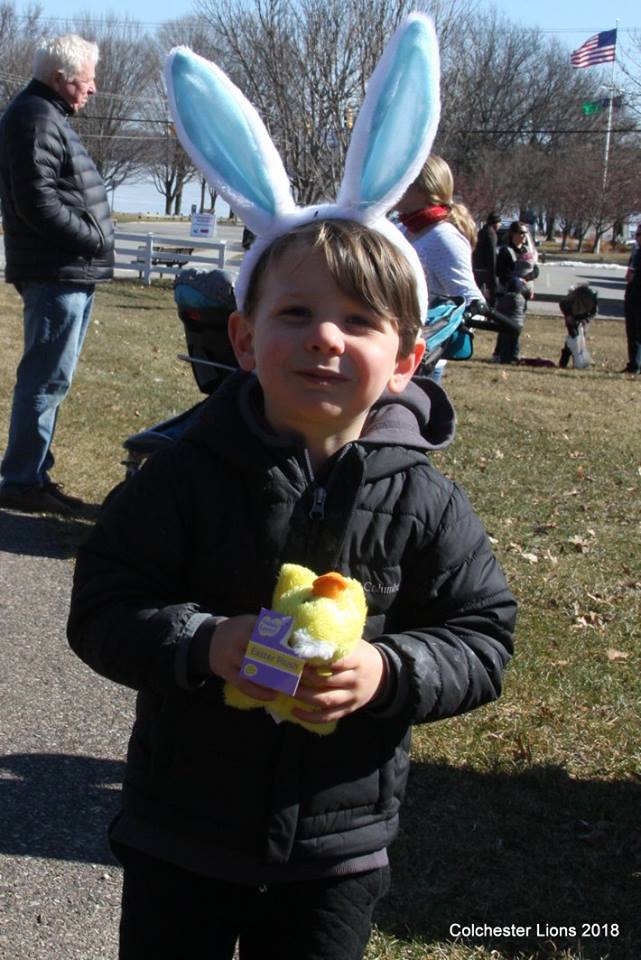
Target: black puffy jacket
[(56, 217), (203, 529)]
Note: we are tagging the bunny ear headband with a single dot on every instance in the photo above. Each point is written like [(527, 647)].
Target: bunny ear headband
[(226, 139)]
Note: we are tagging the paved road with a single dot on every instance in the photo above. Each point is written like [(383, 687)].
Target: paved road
[(555, 279), (553, 283), (63, 733)]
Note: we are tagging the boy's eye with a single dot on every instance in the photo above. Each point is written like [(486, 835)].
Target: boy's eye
[(367, 321), (297, 312)]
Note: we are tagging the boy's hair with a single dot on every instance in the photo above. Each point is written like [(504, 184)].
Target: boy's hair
[(583, 300), (67, 53), (364, 264)]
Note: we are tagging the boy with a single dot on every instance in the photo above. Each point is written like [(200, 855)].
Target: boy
[(234, 826), (578, 308)]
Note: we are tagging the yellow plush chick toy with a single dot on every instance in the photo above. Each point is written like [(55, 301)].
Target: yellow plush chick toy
[(329, 615)]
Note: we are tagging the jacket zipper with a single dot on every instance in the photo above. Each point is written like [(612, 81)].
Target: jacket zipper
[(317, 509)]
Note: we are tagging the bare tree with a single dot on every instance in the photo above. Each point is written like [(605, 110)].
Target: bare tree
[(18, 37), (305, 66), (167, 163), (630, 66), (113, 126)]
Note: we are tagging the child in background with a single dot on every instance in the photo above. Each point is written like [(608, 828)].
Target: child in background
[(234, 827), (512, 303), (578, 308)]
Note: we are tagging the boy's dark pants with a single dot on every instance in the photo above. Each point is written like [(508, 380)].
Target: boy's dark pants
[(173, 914)]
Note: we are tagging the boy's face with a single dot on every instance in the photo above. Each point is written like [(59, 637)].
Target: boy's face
[(322, 357)]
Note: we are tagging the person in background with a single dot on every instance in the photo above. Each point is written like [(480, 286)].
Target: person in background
[(578, 308), (515, 248), (513, 251), (484, 257), (59, 243), (632, 309), (442, 232), (512, 303)]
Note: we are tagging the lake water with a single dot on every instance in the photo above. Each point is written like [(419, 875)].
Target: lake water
[(144, 198)]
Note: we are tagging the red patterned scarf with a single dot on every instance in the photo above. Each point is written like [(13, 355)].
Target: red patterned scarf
[(419, 219)]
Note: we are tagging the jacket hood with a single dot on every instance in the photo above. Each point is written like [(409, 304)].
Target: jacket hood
[(421, 417)]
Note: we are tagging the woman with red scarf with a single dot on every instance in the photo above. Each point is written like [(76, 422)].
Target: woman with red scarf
[(442, 232)]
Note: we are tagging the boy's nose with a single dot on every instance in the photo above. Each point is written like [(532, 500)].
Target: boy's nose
[(327, 337)]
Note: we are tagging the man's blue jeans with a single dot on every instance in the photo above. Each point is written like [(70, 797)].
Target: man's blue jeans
[(56, 318)]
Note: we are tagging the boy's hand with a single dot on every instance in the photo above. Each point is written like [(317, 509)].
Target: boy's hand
[(226, 651), (352, 683)]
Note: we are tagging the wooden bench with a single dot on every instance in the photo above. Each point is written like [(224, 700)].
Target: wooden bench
[(166, 256), (172, 256)]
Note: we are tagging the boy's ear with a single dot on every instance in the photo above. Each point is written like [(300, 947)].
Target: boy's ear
[(406, 367), (241, 336)]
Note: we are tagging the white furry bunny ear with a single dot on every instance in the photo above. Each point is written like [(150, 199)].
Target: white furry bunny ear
[(396, 124), (226, 139)]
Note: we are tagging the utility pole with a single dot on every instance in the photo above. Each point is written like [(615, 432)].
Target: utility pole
[(608, 133)]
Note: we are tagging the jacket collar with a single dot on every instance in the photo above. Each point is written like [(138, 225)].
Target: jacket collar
[(420, 419), (37, 88)]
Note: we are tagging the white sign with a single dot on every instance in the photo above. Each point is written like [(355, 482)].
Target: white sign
[(203, 224)]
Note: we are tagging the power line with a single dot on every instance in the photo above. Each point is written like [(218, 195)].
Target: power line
[(101, 22), (195, 16), (528, 133), (172, 138)]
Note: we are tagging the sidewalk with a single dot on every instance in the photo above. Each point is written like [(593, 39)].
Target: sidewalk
[(63, 735)]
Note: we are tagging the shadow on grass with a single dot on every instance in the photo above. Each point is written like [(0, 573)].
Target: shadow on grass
[(532, 848), (41, 536), (535, 849), (58, 806), (143, 307), (534, 368)]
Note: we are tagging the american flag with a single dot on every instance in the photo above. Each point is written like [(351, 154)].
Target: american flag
[(601, 48)]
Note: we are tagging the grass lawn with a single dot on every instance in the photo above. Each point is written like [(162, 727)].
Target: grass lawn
[(523, 816)]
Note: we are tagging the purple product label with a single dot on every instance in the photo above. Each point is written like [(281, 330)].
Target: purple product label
[(268, 660)]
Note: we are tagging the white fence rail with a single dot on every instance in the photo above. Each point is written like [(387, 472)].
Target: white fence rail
[(150, 253)]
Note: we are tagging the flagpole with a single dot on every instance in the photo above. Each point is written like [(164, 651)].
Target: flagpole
[(606, 154)]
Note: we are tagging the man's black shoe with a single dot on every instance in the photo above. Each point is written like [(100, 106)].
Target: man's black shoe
[(72, 503), (46, 499)]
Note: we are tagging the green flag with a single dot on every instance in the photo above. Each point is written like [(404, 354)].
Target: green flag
[(589, 107)]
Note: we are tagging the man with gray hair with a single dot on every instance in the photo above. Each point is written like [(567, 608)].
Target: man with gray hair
[(59, 243)]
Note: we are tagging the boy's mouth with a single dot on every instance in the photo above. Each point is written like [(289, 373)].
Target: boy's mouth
[(318, 375)]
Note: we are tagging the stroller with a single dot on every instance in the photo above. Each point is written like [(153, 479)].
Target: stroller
[(204, 301)]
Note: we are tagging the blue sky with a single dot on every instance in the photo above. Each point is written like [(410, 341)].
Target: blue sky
[(571, 21)]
